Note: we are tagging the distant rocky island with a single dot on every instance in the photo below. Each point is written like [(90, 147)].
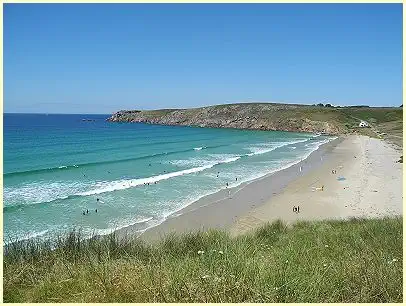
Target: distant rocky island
[(255, 116)]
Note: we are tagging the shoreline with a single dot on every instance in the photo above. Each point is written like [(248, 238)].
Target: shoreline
[(367, 184), (203, 214)]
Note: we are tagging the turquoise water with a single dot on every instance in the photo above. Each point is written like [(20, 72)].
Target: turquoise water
[(57, 166)]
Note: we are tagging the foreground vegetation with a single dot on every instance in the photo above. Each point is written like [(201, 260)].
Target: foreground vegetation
[(331, 261)]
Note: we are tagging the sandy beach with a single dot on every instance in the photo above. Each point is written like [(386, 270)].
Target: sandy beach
[(367, 182)]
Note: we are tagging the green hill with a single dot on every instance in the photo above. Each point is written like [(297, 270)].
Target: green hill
[(269, 116)]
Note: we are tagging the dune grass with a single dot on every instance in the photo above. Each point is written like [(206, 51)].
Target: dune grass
[(330, 261)]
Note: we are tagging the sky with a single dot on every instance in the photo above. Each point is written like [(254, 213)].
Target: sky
[(100, 58)]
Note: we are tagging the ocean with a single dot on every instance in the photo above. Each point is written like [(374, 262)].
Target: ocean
[(58, 169)]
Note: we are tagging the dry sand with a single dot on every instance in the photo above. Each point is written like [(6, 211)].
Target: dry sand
[(371, 187)]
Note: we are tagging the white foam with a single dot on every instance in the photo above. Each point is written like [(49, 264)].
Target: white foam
[(114, 227), (40, 191), (103, 187), (262, 148), (224, 158), (259, 150), (36, 234), (231, 159), (28, 236), (199, 148), (207, 160), (192, 162)]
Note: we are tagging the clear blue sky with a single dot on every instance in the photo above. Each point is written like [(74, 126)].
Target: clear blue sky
[(99, 58)]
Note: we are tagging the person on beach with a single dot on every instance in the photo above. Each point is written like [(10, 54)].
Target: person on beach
[(229, 193), (300, 168), (294, 209), (298, 209)]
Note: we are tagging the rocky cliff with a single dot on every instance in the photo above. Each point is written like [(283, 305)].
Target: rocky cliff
[(253, 116)]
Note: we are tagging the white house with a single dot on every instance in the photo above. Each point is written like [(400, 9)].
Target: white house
[(363, 124)]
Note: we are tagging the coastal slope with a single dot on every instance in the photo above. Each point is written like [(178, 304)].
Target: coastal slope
[(265, 116)]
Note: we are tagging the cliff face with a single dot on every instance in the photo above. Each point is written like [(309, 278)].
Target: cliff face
[(272, 117)]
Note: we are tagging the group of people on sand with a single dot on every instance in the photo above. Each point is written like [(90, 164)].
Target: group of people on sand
[(229, 191)]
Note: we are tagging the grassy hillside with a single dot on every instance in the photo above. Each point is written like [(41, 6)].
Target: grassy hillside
[(331, 261)]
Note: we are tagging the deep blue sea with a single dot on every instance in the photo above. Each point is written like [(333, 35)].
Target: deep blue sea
[(57, 167)]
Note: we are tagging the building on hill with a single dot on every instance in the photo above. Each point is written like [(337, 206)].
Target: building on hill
[(363, 124)]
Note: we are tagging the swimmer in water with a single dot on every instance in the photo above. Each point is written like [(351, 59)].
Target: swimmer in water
[(96, 210)]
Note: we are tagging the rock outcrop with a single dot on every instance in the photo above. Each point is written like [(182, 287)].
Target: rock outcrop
[(252, 116)]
